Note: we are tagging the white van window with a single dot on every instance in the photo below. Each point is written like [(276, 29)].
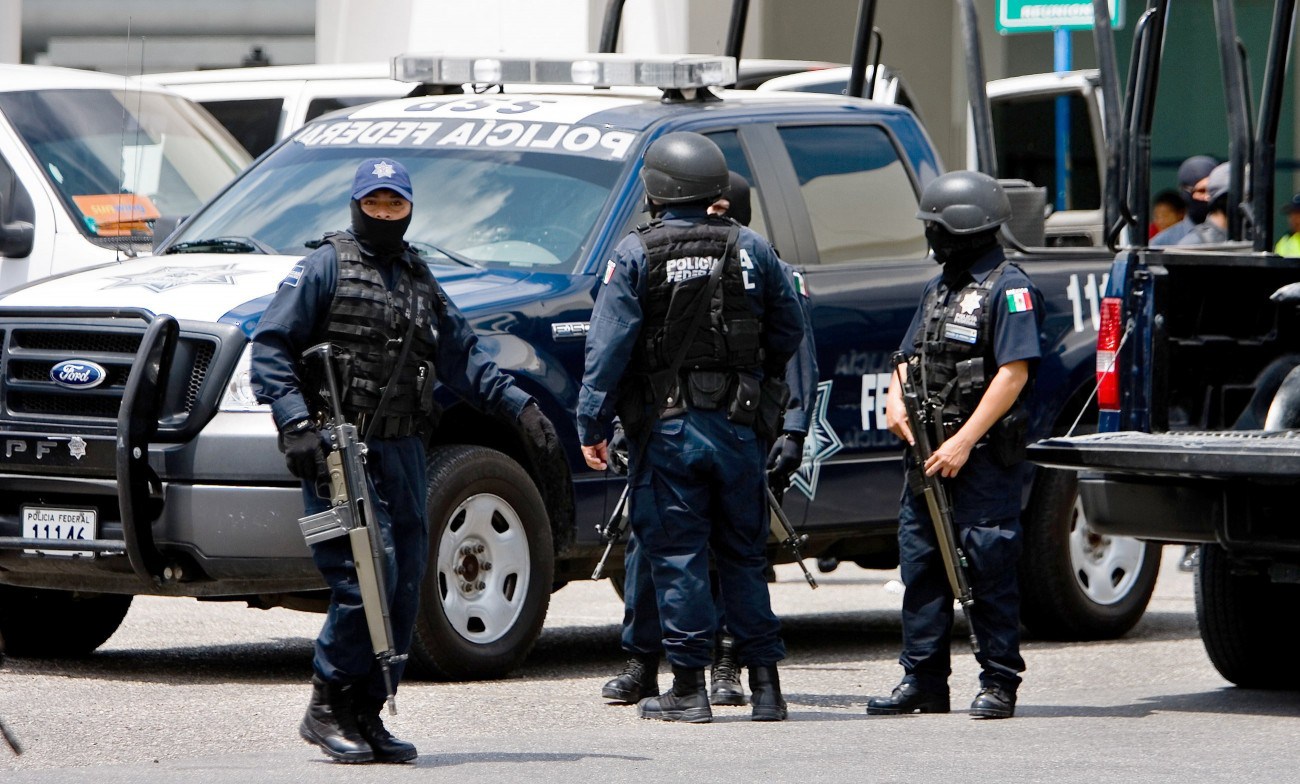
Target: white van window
[(255, 122)]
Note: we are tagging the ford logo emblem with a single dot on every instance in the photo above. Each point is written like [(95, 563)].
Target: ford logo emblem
[(78, 374)]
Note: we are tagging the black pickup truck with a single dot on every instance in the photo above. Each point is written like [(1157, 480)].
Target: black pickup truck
[(1198, 363)]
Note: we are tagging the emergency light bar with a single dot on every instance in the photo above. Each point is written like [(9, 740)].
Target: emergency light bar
[(667, 72)]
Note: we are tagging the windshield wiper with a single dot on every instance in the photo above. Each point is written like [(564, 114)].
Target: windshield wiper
[(464, 261), (224, 245)]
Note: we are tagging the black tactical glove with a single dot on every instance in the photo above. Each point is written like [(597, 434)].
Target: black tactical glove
[(303, 454), (618, 451), (783, 460), (541, 433)]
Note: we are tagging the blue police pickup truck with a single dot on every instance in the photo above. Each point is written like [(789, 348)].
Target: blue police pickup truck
[(136, 461)]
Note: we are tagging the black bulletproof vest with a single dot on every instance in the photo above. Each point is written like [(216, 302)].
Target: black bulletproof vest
[(370, 323), (953, 357), (678, 262)]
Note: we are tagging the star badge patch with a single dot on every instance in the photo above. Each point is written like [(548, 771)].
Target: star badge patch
[(383, 169), (971, 302)]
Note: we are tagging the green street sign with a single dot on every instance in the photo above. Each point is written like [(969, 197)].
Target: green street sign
[(1038, 16)]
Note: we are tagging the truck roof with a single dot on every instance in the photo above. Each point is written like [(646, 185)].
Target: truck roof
[(15, 78)]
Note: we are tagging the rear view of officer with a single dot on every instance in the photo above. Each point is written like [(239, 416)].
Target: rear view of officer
[(972, 348), (693, 319)]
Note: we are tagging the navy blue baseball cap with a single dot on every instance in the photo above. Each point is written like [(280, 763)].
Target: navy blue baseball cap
[(1293, 205), (377, 173)]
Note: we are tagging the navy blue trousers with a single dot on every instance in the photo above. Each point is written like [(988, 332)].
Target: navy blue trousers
[(992, 548), (398, 488), (642, 633), (700, 489)]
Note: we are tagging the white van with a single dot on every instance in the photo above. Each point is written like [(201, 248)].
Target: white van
[(260, 106), (91, 165)]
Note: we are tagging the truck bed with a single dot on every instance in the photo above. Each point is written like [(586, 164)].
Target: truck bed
[(1213, 454)]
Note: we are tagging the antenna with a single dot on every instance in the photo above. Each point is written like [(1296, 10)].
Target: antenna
[(128, 248)]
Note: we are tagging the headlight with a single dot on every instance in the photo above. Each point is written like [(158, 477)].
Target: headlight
[(239, 390)]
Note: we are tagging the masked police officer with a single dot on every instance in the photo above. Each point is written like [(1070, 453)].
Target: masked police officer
[(367, 292), (972, 349), (641, 628), (694, 319)]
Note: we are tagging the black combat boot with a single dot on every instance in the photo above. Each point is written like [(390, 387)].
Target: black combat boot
[(386, 747), (994, 702), (724, 677), (638, 680), (765, 696), (330, 723), (908, 698), (687, 701)]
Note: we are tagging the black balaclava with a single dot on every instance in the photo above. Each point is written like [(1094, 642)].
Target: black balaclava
[(741, 210), (384, 237), (958, 252), (1197, 210)]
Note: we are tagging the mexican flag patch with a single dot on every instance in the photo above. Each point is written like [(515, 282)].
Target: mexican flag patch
[(1019, 301), (609, 271), (799, 285)]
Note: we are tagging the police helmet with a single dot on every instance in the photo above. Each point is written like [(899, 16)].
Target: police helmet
[(964, 202), (683, 167)]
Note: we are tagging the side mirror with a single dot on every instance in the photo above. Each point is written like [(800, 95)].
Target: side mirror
[(1028, 212), (17, 238)]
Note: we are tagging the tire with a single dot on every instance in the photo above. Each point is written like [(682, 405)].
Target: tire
[(1076, 584), (487, 518), (48, 624), (1238, 618)]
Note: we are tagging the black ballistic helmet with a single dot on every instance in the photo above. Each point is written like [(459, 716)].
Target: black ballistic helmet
[(682, 167), (964, 202)]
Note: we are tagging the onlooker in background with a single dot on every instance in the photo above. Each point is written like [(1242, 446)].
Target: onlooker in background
[(1214, 229), (1289, 245), (1167, 209), (1191, 173)]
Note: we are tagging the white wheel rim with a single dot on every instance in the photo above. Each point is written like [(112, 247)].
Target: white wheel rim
[(1105, 567), (483, 568)]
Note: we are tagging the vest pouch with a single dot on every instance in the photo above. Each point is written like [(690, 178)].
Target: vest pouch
[(773, 398), (666, 388), (706, 390), (971, 381), (1007, 437), (425, 379), (742, 408)]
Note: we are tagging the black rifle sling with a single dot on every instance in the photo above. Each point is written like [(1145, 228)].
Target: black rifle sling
[(411, 318)]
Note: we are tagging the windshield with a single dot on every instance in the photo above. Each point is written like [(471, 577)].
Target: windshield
[(487, 207), (121, 160)]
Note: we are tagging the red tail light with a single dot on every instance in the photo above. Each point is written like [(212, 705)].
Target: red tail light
[(1108, 338)]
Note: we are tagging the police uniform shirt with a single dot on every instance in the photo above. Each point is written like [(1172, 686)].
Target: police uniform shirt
[(801, 374), (1174, 234), (296, 318), (617, 315), (983, 490)]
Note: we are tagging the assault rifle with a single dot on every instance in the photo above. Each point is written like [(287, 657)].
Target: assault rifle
[(616, 526), (785, 533), (936, 496), (351, 514)]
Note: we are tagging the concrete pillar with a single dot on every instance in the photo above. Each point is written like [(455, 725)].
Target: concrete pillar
[(11, 29)]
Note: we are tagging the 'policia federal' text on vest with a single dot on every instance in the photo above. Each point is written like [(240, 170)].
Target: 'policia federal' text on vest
[(953, 357), (368, 324), (678, 262)]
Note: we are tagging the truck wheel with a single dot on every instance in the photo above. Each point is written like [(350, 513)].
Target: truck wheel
[(85, 621), (1076, 584), (1238, 617), (491, 562)]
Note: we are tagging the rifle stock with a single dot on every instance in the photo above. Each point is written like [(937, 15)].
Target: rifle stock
[(936, 497), (351, 514)]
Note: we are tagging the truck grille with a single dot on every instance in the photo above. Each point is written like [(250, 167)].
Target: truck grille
[(29, 351)]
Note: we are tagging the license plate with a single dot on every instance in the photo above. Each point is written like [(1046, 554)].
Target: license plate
[(62, 524)]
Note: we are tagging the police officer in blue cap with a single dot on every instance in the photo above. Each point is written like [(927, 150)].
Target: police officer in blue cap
[(641, 630), (972, 348), (366, 291), (693, 320), (1192, 181)]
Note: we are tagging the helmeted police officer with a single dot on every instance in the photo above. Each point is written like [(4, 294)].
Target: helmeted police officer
[(694, 319), (972, 349), (367, 292), (641, 628)]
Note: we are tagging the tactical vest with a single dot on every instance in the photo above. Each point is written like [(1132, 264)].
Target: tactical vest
[(370, 324), (953, 357), (678, 262)]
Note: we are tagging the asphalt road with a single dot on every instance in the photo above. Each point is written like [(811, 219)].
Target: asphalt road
[(212, 693)]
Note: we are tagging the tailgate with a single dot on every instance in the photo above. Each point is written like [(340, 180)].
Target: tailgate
[(1222, 454)]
